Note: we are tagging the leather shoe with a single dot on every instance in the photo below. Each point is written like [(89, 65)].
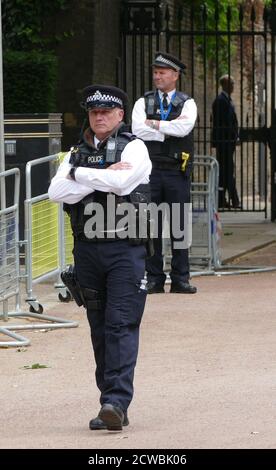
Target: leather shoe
[(112, 416), (182, 288), (97, 424), (155, 288)]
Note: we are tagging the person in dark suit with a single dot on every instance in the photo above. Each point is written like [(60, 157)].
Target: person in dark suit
[(224, 139)]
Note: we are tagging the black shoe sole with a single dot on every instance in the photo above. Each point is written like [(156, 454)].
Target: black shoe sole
[(102, 427), (98, 427), (182, 292), (156, 292), (111, 419)]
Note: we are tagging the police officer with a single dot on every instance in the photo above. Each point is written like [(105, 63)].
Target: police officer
[(108, 168), (164, 119)]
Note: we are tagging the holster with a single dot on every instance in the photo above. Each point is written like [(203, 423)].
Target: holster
[(68, 277)]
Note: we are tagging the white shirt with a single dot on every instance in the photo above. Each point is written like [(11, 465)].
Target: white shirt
[(120, 182), (96, 141), (178, 127)]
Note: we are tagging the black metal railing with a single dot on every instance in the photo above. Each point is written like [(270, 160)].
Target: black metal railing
[(239, 41)]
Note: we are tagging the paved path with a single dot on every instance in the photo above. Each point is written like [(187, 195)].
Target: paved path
[(243, 233), (205, 376)]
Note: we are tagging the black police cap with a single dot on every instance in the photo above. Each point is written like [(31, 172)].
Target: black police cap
[(163, 59), (102, 96)]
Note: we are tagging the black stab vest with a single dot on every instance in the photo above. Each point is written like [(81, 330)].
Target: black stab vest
[(168, 154), (85, 155)]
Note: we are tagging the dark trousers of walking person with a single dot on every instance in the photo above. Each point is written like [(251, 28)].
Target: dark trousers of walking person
[(113, 270), (227, 181), (170, 186)]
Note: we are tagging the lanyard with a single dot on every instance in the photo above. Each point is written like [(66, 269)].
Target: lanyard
[(164, 114)]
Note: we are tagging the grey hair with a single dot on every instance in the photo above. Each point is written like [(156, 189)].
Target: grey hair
[(225, 78)]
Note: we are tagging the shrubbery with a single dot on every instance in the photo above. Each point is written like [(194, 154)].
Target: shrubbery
[(30, 80)]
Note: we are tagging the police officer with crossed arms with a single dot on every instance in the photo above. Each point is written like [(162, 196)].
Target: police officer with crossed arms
[(164, 119), (107, 163)]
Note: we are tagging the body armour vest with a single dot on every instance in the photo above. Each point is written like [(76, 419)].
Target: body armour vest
[(175, 153), (96, 217)]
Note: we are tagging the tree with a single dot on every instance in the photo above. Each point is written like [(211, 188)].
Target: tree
[(23, 22), (227, 16), (30, 68)]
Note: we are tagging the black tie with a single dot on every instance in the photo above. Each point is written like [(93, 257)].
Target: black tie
[(165, 101)]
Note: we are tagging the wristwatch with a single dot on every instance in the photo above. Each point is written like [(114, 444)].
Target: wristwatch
[(72, 173), (153, 125)]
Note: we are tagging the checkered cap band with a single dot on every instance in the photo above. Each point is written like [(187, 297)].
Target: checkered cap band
[(103, 98), (168, 62)]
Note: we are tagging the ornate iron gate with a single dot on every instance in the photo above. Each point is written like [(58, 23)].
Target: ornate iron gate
[(239, 41)]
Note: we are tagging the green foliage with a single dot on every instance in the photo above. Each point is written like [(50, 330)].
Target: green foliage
[(30, 73), (210, 6), (29, 82), (222, 15), (23, 22), (35, 366)]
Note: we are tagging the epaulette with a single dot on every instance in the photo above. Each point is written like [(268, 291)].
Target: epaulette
[(183, 95), (148, 93), (180, 98), (128, 136)]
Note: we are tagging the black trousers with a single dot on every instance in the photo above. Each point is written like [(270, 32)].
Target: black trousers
[(170, 186), (227, 181), (113, 270)]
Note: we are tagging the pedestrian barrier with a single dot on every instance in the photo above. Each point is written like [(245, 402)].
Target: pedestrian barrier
[(66, 257), (206, 230), (48, 232), (47, 236), (10, 273), (206, 233)]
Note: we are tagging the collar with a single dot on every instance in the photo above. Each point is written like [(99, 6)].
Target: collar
[(90, 138), (170, 94), (96, 141), (226, 94)]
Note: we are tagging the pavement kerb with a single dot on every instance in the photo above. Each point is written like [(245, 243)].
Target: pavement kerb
[(247, 252)]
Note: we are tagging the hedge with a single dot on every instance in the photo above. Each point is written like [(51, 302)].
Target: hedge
[(30, 81)]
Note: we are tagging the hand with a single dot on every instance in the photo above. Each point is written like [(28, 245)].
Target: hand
[(120, 166)]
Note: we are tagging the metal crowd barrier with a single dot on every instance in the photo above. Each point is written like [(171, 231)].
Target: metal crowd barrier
[(206, 230), (10, 274), (205, 249), (46, 235)]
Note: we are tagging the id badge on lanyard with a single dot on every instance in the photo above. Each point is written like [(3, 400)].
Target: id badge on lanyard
[(164, 114)]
